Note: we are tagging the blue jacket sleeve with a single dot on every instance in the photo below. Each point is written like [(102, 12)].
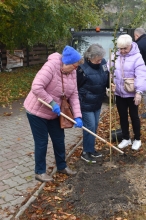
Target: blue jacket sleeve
[(81, 77)]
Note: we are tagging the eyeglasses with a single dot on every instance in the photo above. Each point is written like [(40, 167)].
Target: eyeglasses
[(75, 67)]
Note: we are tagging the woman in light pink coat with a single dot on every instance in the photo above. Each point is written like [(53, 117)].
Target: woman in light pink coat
[(47, 85)]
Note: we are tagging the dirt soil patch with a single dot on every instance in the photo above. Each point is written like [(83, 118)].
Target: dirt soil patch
[(112, 189), (108, 189)]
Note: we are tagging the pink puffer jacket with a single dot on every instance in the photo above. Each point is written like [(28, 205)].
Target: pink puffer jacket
[(47, 85)]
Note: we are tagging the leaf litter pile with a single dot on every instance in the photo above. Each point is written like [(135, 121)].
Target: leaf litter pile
[(112, 189)]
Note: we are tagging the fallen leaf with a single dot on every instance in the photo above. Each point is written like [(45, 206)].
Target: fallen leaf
[(28, 178), (57, 198), (6, 114), (48, 213), (36, 207), (29, 154), (118, 218)]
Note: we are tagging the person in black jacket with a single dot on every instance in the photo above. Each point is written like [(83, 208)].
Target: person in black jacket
[(92, 80), (140, 39)]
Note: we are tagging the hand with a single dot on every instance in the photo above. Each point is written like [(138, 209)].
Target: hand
[(56, 109), (137, 98), (113, 87), (79, 122), (107, 92)]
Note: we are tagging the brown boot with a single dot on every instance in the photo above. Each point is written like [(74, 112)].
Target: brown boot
[(43, 177), (67, 171)]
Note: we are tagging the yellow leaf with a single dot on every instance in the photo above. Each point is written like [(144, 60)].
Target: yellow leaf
[(57, 198)]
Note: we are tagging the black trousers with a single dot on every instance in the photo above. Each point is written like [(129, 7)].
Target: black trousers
[(125, 106)]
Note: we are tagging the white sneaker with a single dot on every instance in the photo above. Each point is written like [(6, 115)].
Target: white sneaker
[(124, 143), (136, 144)]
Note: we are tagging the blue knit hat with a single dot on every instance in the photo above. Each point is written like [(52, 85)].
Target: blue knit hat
[(70, 55)]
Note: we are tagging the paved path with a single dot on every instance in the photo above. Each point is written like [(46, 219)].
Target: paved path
[(17, 159)]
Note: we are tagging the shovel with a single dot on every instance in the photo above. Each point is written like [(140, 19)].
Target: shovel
[(109, 144)]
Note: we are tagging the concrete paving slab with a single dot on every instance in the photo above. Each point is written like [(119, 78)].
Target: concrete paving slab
[(17, 158)]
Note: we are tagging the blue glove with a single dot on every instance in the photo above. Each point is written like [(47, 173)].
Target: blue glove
[(79, 123), (56, 109)]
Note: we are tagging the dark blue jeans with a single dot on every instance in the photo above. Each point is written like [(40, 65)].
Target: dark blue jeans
[(90, 121), (40, 129)]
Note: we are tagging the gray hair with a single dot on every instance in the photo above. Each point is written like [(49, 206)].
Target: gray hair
[(124, 40), (139, 31), (95, 50)]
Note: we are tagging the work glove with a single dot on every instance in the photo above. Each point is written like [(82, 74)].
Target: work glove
[(56, 109), (79, 122), (137, 98)]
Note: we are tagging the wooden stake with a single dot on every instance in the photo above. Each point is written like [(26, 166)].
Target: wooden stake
[(110, 103)]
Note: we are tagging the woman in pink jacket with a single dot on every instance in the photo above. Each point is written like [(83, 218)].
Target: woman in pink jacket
[(47, 85), (129, 64)]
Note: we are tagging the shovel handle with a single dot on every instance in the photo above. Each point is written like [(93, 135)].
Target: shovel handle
[(45, 103)]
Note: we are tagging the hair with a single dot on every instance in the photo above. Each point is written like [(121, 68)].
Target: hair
[(95, 50), (139, 31), (124, 40)]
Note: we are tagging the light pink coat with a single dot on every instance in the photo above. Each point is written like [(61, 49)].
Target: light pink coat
[(47, 85)]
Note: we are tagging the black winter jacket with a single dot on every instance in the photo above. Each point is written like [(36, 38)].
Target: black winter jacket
[(141, 41), (92, 85)]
